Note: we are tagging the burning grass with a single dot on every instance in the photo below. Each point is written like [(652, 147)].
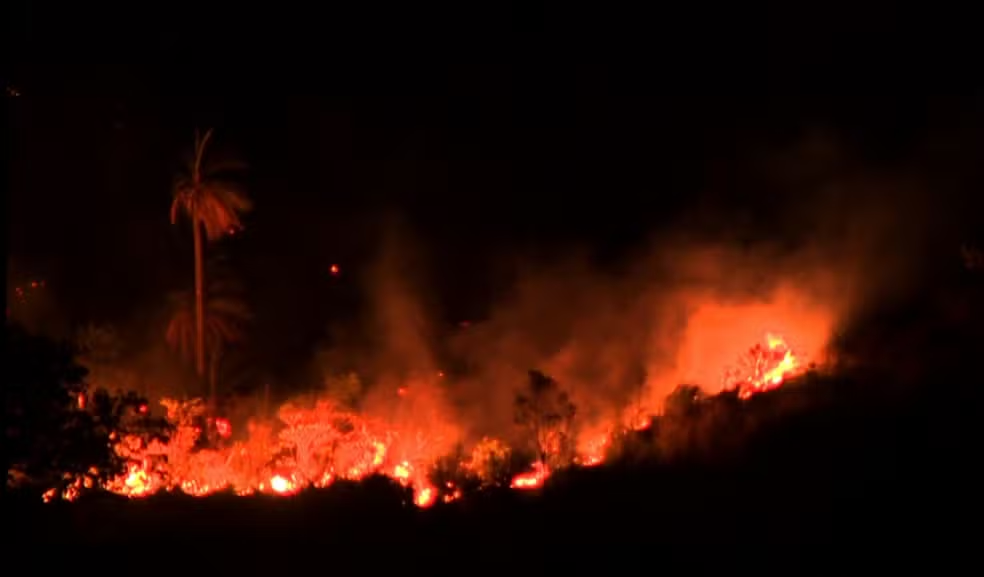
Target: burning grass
[(319, 442), (609, 352)]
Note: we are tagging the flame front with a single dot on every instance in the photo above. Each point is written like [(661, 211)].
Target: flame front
[(316, 445), (533, 479), (765, 367)]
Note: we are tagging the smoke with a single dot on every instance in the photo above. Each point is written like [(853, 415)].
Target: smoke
[(406, 389), (690, 307), (683, 310), (399, 322)]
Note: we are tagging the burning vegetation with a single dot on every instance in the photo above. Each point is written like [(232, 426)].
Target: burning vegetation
[(569, 365), (410, 434), (315, 445)]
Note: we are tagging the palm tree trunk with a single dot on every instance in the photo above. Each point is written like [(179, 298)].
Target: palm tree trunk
[(199, 299)]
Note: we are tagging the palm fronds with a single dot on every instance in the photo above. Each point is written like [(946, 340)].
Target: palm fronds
[(207, 194)]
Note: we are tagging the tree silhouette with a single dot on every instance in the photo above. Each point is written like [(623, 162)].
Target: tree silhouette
[(211, 201), (547, 413), (225, 316), (56, 430)]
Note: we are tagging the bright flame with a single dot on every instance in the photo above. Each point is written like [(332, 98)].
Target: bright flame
[(281, 484), (223, 427), (533, 479), (764, 367), (425, 497), (314, 445)]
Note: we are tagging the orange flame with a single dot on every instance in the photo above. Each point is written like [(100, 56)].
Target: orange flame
[(314, 445), (533, 479)]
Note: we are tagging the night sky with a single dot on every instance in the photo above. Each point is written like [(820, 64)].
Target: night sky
[(491, 129)]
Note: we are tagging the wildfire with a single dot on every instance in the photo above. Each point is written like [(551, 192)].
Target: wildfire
[(316, 445), (533, 479), (592, 449), (223, 427), (424, 497), (282, 485), (765, 367)]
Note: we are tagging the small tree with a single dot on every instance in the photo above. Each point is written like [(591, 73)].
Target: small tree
[(213, 203), (547, 413)]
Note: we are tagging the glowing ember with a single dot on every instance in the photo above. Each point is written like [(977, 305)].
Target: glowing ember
[(281, 484), (137, 481), (425, 497), (223, 427), (334, 270)]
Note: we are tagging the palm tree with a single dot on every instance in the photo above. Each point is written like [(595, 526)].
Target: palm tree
[(225, 316), (211, 202)]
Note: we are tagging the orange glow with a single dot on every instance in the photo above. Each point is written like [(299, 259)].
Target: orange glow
[(223, 427), (281, 485), (425, 497), (533, 479), (786, 335), (334, 270), (765, 367), (402, 472), (137, 481), (592, 448), (316, 441)]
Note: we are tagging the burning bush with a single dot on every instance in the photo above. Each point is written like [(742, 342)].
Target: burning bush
[(547, 413)]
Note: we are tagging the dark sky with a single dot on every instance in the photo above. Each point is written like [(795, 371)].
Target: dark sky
[(489, 126)]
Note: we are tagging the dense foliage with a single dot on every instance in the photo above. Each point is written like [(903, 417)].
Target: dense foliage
[(56, 429)]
